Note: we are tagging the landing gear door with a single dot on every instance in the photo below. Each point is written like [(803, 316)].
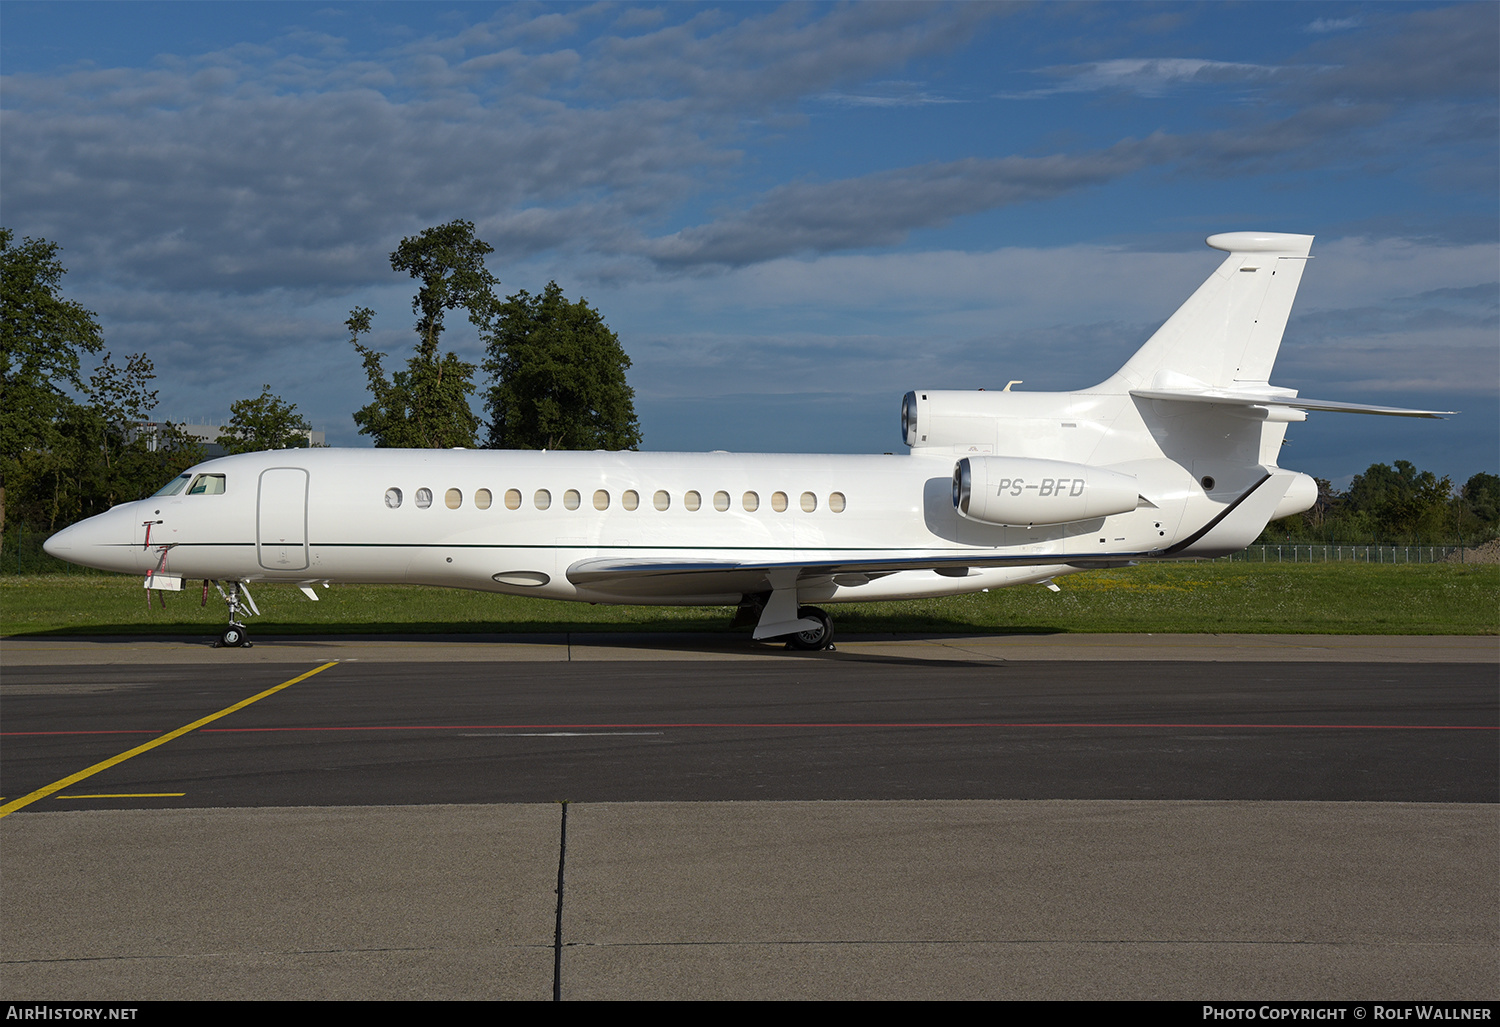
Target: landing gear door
[(281, 519)]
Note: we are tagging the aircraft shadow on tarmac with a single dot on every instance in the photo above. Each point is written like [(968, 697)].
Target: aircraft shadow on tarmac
[(673, 632)]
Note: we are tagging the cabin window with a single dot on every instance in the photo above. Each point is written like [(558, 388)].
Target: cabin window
[(571, 499), (630, 500), (174, 486), (778, 502), (809, 502), (207, 485), (721, 501), (512, 499), (482, 499), (752, 502), (453, 498), (424, 498), (836, 502), (601, 500), (661, 500), (543, 499), (692, 501), (393, 498)]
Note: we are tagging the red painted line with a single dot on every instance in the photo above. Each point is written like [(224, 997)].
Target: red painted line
[(854, 724)]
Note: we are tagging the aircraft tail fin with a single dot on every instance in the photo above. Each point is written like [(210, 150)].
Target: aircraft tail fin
[(1228, 332)]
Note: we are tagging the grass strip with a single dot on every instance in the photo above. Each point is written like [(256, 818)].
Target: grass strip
[(1325, 598)]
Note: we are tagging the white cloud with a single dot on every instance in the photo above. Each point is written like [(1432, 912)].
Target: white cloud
[(1151, 76), (1323, 25)]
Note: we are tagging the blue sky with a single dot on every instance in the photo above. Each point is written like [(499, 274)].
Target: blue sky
[(790, 214)]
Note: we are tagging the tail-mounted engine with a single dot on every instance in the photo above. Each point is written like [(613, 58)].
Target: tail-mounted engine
[(1018, 491), (932, 419)]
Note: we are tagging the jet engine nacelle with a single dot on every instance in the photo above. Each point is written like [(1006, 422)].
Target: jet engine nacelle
[(1019, 491)]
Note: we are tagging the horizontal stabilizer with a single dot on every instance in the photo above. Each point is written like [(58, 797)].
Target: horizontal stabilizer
[(1248, 399)]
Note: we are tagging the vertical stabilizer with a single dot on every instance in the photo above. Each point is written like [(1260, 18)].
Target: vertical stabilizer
[(1228, 333)]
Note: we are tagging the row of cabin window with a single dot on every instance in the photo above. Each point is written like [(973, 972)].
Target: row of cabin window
[(630, 500)]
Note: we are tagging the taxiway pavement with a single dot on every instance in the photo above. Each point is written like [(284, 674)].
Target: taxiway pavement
[(1200, 817)]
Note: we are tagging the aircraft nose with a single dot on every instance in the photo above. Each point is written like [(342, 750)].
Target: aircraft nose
[(101, 542), (61, 544)]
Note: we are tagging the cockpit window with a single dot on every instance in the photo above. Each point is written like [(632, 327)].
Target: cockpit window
[(174, 486), (207, 485)]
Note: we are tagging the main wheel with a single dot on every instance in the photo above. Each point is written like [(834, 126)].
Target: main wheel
[(813, 639), (233, 637)]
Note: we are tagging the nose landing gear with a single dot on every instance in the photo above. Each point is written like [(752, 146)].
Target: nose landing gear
[(235, 636)]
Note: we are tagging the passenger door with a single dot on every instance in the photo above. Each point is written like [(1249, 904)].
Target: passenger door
[(281, 519)]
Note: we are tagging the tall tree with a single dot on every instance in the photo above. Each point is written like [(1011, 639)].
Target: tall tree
[(41, 338), (427, 405), (121, 398), (101, 452), (1402, 501), (1479, 503), (558, 375), (265, 422)]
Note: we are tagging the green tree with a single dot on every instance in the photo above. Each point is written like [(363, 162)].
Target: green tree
[(41, 338), (427, 405), (101, 452), (1482, 493), (265, 422), (1479, 506), (558, 376), (1401, 502), (121, 399)]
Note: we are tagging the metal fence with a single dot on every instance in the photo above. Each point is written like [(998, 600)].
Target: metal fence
[(1303, 552), (21, 553)]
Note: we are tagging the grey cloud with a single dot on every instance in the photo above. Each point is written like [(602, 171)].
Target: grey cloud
[(639, 18), (787, 53), (1313, 136), (881, 209), (1444, 311), (1444, 53), (241, 187), (249, 167)]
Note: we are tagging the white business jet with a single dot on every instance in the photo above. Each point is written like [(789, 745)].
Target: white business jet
[(1173, 456)]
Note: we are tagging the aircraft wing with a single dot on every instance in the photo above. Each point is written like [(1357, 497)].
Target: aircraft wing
[(666, 576), (1273, 400)]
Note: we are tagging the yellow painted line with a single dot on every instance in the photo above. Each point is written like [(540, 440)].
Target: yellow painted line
[(72, 779), (127, 795)]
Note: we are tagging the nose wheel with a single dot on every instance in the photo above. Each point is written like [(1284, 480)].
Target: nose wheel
[(234, 636)]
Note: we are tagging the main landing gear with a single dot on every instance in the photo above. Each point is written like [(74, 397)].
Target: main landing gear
[(813, 639), (234, 636), (774, 612)]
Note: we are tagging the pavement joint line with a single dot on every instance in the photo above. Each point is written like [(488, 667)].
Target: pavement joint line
[(557, 937), (72, 779)]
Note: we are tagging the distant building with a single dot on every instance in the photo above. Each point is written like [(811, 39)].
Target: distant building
[(207, 435)]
